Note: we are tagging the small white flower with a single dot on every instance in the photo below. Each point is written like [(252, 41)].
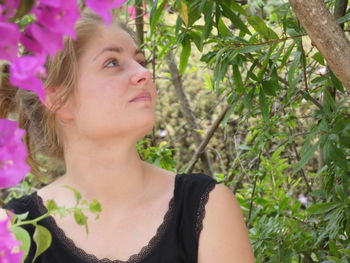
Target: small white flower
[(163, 133), (302, 199), (322, 71)]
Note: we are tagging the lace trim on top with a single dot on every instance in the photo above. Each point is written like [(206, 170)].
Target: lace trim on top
[(201, 209), (135, 258)]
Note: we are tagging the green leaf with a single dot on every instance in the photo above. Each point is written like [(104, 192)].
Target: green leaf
[(155, 14), (345, 251), (22, 216), (342, 124), (223, 29), (183, 12), (185, 54), (327, 152), (266, 62), (62, 211), (270, 87), (259, 25), (202, 5), (333, 248), (342, 127), (237, 78), (22, 235), (42, 238), (51, 205), (233, 5), (263, 105), (237, 7), (329, 100), (334, 259), (178, 25), (80, 217), (319, 80), (347, 225), (244, 147), (322, 208), (338, 156), (230, 110), (306, 156), (236, 21), (95, 206), (208, 82), (343, 19), (249, 48), (319, 58), (247, 100), (77, 194), (293, 67), (196, 37), (336, 82), (208, 25), (287, 55)]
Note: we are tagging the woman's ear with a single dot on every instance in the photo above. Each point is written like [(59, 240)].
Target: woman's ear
[(52, 100), (49, 97)]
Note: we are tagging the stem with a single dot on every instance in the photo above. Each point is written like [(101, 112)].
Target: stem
[(32, 221), (139, 21)]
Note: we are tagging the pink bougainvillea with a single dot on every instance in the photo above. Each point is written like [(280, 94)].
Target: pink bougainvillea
[(9, 44), (13, 153), (8, 8), (102, 8), (132, 11), (25, 73), (7, 243)]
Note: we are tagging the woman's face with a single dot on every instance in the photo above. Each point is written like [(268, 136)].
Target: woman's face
[(111, 72)]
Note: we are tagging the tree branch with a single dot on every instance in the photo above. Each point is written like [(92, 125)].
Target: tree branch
[(326, 34), (207, 138), (186, 110)]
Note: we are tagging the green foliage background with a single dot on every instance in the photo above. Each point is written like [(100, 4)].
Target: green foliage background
[(283, 145)]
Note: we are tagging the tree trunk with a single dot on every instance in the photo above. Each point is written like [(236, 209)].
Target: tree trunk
[(187, 112), (327, 36), (139, 21)]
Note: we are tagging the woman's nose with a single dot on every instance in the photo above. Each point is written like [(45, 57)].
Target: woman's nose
[(141, 76)]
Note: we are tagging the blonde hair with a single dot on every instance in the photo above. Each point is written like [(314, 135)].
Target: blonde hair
[(42, 133)]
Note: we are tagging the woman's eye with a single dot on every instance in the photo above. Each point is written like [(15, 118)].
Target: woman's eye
[(112, 63)]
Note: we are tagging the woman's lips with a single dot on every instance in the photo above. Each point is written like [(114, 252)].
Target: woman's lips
[(142, 99), (143, 96)]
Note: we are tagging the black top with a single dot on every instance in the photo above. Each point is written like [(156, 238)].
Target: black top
[(175, 241)]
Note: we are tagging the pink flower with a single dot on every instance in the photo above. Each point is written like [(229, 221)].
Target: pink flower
[(24, 73), (52, 3), (58, 16), (102, 8), (55, 19), (39, 39), (132, 11), (29, 41), (13, 154), (9, 43), (7, 243), (7, 9)]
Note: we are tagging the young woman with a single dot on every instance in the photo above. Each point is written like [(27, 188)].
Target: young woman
[(100, 100)]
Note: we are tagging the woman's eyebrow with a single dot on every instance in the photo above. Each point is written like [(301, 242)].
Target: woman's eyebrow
[(117, 50)]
